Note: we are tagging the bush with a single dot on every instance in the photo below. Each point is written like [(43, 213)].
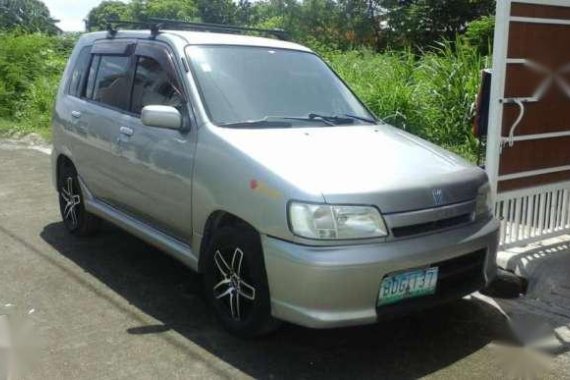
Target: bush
[(428, 95), (479, 34), (384, 82), (30, 68)]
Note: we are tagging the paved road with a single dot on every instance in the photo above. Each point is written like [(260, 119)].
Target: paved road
[(112, 307)]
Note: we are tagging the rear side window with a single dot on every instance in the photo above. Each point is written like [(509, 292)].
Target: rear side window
[(79, 72), (109, 81), (153, 86)]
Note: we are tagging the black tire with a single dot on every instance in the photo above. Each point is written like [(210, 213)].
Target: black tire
[(237, 288), (76, 219)]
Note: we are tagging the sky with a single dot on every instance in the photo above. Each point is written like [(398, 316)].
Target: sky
[(71, 13)]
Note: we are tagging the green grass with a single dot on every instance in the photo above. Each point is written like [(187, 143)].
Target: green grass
[(6, 127), (429, 95), (17, 129), (30, 70)]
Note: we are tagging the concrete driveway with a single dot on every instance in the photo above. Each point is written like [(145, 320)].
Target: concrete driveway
[(112, 307)]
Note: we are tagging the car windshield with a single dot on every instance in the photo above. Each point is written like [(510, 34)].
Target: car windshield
[(255, 87)]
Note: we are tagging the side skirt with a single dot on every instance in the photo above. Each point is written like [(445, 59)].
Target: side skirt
[(174, 247)]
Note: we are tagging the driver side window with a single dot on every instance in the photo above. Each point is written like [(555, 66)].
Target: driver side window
[(153, 86)]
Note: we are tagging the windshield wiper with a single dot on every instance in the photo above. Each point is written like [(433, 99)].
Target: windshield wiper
[(331, 119), (277, 121), (309, 119), (371, 121), (263, 123)]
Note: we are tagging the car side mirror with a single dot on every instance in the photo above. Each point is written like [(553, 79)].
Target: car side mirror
[(161, 117)]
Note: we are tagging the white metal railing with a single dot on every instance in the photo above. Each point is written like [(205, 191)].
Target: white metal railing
[(539, 212), (533, 214)]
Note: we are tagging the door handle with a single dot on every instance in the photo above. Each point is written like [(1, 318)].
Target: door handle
[(126, 131), (76, 114)]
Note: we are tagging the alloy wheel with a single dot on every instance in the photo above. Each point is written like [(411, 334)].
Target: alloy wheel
[(71, 201), (232, 290)]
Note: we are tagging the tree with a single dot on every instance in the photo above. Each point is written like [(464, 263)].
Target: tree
[(479, 34), (355, 20), (141, 10), (338, 24), (28, 16), (419, 23), (275, 14), (183, 10), (244, 13), (217, 11), (335, 23), (110, 10)]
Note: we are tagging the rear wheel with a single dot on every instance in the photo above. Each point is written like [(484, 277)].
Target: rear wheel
[(76, 219), (235, 282)]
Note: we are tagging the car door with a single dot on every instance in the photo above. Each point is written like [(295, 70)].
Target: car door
[(98, 115), (157, 162)]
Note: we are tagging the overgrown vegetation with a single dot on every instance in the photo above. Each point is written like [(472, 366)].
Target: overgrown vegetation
[(30, 68), (26, 16), (406, 77), (345, 24), (429, 95)]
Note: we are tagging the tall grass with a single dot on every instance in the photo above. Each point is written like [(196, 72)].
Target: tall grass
[(429, 95), (30, 69)]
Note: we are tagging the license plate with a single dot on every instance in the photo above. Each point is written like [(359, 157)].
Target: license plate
[(410, 284)]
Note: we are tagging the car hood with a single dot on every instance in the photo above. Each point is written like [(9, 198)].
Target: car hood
[(376, 165)]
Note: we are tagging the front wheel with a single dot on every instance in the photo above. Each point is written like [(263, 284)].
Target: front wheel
[(235, 282)]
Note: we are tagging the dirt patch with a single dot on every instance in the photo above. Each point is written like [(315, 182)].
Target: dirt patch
[(28, 141)]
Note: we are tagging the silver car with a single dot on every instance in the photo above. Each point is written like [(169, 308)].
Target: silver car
[(253, 163)]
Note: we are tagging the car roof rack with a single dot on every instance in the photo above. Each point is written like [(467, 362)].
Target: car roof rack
[(157, 24), (113, 27)]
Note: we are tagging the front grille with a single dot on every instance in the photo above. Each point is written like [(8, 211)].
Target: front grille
[(422, 228), (456, 278)]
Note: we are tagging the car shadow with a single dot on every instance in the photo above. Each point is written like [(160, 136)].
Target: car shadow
[(407, 347)]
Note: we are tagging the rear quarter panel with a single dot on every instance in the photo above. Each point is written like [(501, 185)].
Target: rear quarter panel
[(61, 112)]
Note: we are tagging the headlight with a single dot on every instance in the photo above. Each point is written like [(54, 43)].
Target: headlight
[(330, 222), (484, 204)]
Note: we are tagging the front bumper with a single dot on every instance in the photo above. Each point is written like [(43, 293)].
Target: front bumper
[(324, 286)]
